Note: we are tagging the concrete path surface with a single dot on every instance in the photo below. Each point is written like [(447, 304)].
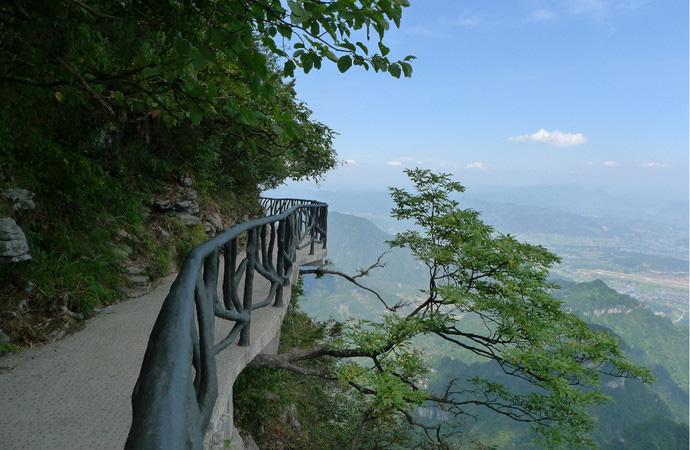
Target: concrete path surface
[(75, 393)]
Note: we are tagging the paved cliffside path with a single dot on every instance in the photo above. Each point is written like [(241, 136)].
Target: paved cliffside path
[(75, 393)]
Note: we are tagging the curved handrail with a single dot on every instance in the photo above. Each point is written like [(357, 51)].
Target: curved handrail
[(172, 404)]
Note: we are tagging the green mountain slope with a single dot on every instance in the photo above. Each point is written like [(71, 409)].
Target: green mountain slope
[(654, 340)]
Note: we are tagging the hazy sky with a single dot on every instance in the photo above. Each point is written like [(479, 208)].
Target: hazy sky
[(519, 92)]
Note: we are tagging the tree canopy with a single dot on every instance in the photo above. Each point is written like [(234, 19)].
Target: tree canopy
[(488, 295), (176, 62)]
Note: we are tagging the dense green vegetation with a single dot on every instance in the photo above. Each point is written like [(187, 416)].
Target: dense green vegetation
[(282, 409), (106, 104)]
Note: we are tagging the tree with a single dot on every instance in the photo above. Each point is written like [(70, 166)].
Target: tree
[(220, 60), (487, 294)]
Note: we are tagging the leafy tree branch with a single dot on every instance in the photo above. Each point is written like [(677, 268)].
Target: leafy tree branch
[(488, 294)]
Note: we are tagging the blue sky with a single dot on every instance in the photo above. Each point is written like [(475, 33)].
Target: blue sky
[(519, 92)]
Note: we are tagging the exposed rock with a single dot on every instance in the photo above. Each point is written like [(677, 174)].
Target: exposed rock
[(20, 198), (180, 201), (139, 280), (190, 194), (215, 220), (248, 440), (30, 288), (69, 313), (138, 286), (23, 305), (4, 339), (13, 245), (189, 219), (123, 251), (185, 181), (163, 205), (9, 229), (56, 335), (209, 229), (122, 234), (186, 206), (162, 232), (290, 416), (132, 270)]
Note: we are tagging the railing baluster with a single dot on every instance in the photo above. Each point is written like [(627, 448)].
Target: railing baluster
[(211, 276), (268, 264), (249, 284), (208, 383), (265, 255), (280, 263), (229, 283), (312, 230), (324, 227)]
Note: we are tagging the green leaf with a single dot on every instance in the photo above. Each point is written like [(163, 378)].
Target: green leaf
[(195, 114), (406, 68), (394, 70), (289, 68), (344, 63), (384, 50), (330, 55)]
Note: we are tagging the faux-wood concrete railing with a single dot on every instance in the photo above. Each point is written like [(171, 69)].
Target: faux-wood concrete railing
[(177, 387)]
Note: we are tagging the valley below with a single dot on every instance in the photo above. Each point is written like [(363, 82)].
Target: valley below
[(640, 300)]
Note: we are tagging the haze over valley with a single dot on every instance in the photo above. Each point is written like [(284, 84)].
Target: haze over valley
[(650, 330), (637, 245)]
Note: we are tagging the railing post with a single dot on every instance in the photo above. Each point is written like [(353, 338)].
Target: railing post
[(324, 225), (229, 267), (249, 284), (280, 263), (211, 276)]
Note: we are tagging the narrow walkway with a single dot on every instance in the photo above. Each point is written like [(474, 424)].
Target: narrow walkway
[(75, 393)]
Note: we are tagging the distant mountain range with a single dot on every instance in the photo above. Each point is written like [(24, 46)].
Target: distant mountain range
[(648, 339), (635, 244)]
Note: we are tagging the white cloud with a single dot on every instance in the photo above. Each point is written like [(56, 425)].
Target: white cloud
[(394, 163), (555, 137), (610, 163), (603, 6), (420, 30), (464, 22), (602, 11), (654, 165), (475, 165), (349, 162), (542, 15)]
